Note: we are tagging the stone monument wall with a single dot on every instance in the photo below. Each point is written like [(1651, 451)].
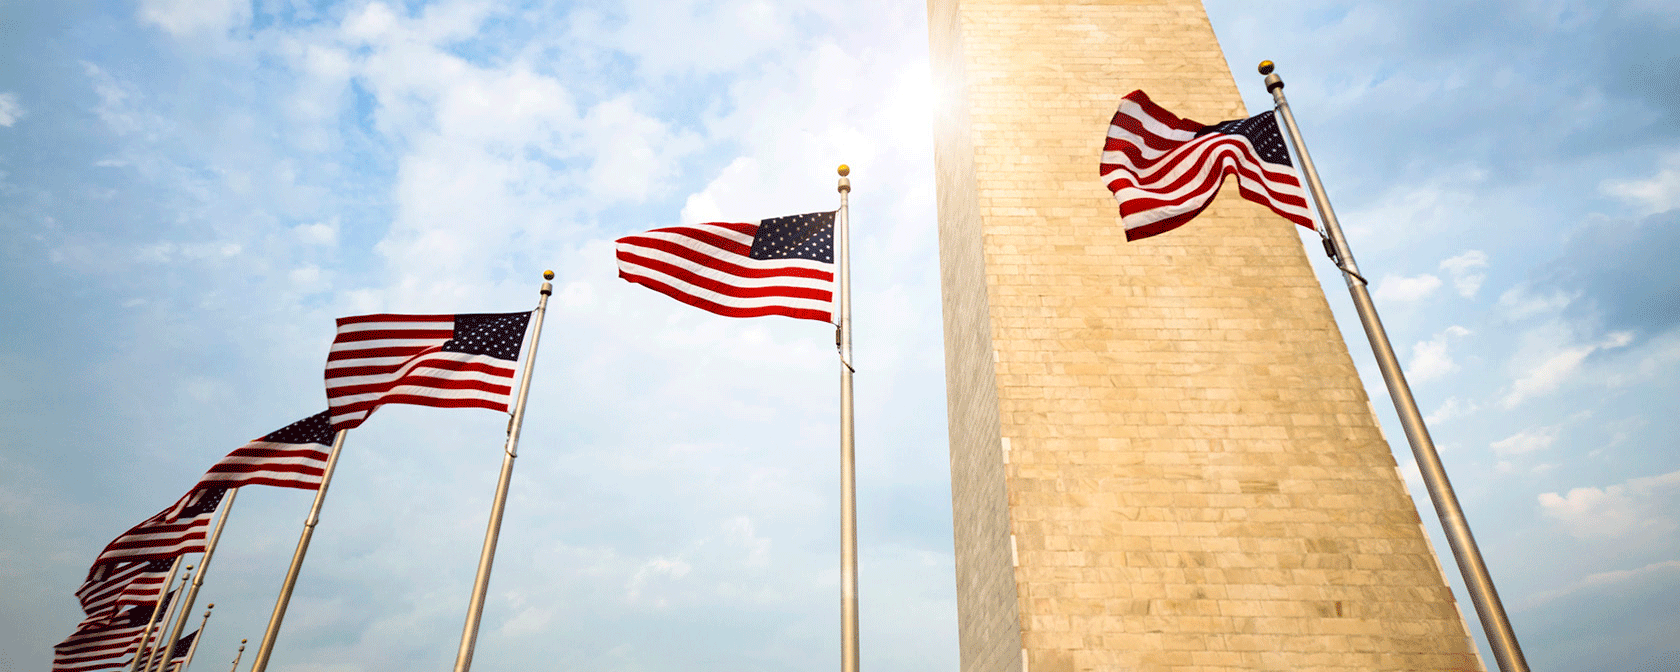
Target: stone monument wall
[(1161, 454)]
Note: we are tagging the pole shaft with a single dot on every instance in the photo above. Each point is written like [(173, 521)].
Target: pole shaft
[(848, 472), (264, 650), (163, 644), (486, 557), (193, 650), (146, 635), (1478, 582), (198, 578), (236, 657)]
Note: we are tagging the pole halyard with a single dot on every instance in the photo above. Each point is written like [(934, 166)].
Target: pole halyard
[(481, 583), (1501, 638), (266, 648), (848, 471)]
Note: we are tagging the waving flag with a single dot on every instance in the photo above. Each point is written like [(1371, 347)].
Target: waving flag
[(448, 361), (102, 645), (780, 266), (1164, 170), (173, 531), (178, 655), (293, 456), (114, 586)]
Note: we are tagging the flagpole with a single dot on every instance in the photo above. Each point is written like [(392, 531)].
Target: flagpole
[(174, 608), (198, 577), (481, 583), (265, 649), (1501, 638), (848, 473), (146, 635), (196, 639), (238, 655)]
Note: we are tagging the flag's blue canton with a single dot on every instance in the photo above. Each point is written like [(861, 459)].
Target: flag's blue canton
[(807, 236), (205, 503), (498, 335), (183, 645), (1261, 131), (313, 429)]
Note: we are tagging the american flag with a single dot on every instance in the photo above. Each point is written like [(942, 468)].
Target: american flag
[(174, 531), (1165, 170), (114, 586), (780, 266), (178, 654), (293, 456), (102, 645), (448, 361)]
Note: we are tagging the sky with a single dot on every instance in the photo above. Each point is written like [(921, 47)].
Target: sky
[(192, 190)]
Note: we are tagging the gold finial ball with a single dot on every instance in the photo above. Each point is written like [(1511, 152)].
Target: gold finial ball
[(548, 275), (1266, 67), (242, 641), (212, 605), (845, 170)]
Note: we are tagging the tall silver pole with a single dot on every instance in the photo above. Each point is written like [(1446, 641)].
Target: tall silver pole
[(146, 635), (481, 584), (848, 473), (266, 649), (198, 578), (237, 656), (191, 650), (174, 608), (1501, 638)]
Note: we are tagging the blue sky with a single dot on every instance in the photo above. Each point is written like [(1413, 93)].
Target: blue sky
[(191, 191)]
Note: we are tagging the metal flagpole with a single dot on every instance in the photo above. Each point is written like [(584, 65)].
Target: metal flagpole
[(264, 650), (1501, 638), (174, 608), (198, 577), (196, 639), (237, 656), (481, 584), (146, 635), (848, 475)]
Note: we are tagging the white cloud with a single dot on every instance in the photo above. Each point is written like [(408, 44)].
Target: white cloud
[(635, 155), (1450, 409), (1412, 210), (1657, 193), (180, 17), (10, 109), (324, 233), (309, 279), (1518, 303), (1557, 367), (1465, 270), (1430, 359), (740, 531), (668, 37), (1527, 441), (1403, 289), (1603, 580), (672, 568), (1639, 505)]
